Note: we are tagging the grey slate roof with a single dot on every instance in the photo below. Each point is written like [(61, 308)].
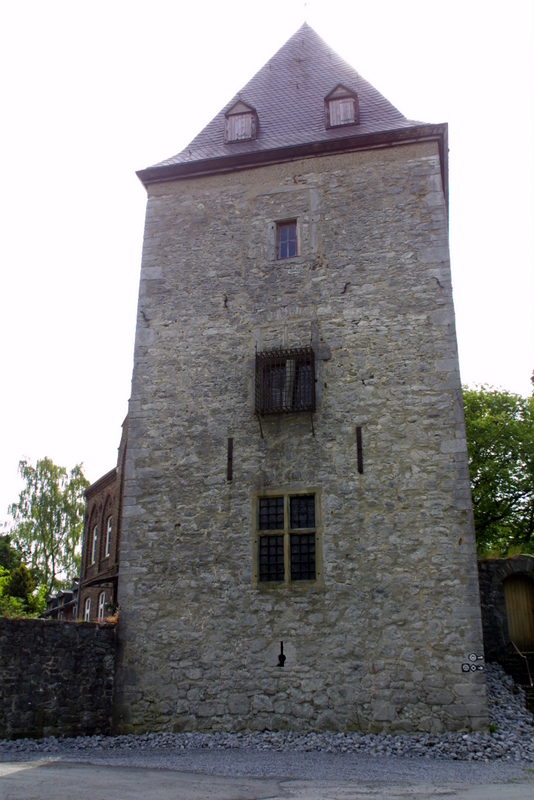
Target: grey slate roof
[(288, 94)]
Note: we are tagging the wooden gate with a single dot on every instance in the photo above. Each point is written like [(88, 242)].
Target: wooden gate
[(519, 598)]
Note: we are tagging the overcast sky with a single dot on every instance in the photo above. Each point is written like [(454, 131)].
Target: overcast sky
[(92, 91)]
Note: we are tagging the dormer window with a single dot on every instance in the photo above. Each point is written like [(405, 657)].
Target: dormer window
[(341, 108), (241, 123)]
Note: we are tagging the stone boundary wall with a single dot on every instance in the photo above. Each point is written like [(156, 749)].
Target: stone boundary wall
[(492, 573), (56, 678)]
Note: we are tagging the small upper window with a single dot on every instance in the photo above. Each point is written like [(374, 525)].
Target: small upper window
[(286, 239), (241, 123), (341, 107)]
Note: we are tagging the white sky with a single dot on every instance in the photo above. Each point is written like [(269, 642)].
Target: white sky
[(92, 91)]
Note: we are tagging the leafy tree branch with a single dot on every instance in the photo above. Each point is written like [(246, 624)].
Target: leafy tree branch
[(49, 521), (500, 446)]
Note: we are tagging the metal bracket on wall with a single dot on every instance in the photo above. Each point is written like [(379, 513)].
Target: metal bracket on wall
[(261, 429), (359, 449)]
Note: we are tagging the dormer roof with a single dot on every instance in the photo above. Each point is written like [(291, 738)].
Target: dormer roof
[(288, 96), (239, 108), (340, 91)]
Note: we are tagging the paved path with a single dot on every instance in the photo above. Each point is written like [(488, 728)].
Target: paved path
[(57, 780)]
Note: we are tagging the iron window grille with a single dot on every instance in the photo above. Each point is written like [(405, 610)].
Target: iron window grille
[(285, 381), (287, 540)]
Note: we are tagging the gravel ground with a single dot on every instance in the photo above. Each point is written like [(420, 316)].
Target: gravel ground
[(510, 745)]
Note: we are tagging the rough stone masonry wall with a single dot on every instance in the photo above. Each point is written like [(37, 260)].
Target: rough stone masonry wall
[(378, 642), (56, 678)]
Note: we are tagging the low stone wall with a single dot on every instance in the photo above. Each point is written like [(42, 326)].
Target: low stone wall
[(56, 678)]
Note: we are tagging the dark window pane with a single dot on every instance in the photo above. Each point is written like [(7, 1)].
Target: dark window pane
[(287, 240), (302, 556), (302, 511), (271, 514), (271, 558), (303, 386), (274, 383)]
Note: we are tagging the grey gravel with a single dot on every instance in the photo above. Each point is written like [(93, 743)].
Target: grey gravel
[(512, 739)]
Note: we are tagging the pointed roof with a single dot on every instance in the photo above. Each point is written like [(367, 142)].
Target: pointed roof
[(288, 95)]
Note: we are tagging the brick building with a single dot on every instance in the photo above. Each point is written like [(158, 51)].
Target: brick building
[(297, 548), (99, 573), (63, 605)]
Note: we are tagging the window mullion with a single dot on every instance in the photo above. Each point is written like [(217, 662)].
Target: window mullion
[(287, 546)]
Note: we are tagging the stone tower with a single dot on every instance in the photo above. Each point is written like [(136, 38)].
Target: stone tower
[(297, 545)]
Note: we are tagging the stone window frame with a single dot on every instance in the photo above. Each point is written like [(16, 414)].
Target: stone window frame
[(271, 239), (256, 533), (109, 528)]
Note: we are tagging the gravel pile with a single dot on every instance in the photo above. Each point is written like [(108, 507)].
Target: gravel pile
[(511, 740)]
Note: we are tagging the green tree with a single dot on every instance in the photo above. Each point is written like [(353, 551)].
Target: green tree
[(20, 583), (49, 520), (17, 595), (500, 446), (9, 557)]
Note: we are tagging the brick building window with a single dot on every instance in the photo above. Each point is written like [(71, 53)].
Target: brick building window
[(101, 605), (87, 610), (109, 528), (286, 236), (285, 381), (286, 538), (95, 543)]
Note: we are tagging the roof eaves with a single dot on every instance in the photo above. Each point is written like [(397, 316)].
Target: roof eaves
[(261, 158), (101, 482)]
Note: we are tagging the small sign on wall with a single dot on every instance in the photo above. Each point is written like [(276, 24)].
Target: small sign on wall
[(475, 665)]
